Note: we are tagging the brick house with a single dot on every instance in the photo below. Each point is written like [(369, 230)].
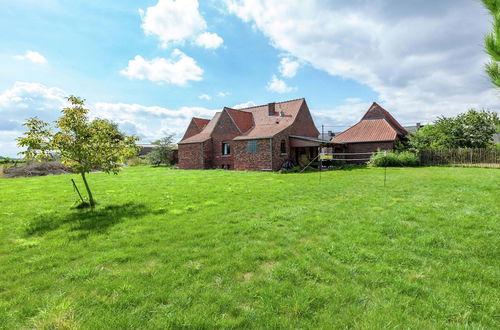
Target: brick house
[(377, 129), (255, 138)]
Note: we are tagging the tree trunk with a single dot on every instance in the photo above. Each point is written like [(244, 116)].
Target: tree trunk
[(91, 198)]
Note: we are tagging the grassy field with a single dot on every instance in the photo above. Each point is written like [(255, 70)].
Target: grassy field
[(204, 249)]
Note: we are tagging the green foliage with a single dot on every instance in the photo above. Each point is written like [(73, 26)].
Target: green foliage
[(473, 129), (393, 159), (81, 144), (137, 160), (8, 160), (492, 42), (253, 250), (37, 140), (295, 169), (162, 152), (85, 145)]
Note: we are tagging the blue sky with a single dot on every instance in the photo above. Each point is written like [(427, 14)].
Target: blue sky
[(151, 65)]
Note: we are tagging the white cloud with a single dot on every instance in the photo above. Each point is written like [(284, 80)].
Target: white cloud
[(173, 21), (223, 94), (178, 70), (31, 56), (150, 122), (247, 104), (22, 101), (288, 67), (26, 99), (205, 97), (352, 100), (209, 40), (279, 86), (412, 53)]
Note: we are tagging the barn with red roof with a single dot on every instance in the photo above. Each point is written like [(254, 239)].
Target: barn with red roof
[(377, 129)]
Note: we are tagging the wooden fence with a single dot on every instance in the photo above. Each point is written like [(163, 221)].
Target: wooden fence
[(461, 157)]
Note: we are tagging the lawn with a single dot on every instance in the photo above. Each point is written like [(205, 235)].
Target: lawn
[(204, 249)]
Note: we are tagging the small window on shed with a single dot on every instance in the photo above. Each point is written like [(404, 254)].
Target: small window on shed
[(283, 147), (226, 150), (252, 146)]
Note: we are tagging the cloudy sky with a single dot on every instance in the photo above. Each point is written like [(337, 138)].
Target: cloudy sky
[(150, 65)]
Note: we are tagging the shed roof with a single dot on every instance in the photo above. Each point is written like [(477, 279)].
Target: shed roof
[(367, 130)]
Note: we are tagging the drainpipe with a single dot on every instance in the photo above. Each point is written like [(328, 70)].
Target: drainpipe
[(271, 151)]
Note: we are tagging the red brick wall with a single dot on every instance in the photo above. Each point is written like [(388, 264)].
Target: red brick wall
[(225, 131), (260, 160), (265, 158), (278, 158), (190, 156), (304, 124), (192, 129), (207, 155)]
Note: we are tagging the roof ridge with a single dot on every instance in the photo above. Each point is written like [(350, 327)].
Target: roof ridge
[(266, 104), (388, 117)]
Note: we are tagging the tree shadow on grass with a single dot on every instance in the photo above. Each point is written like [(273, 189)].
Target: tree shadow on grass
[(85, 222)]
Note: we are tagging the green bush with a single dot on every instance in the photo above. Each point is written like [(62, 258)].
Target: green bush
[(138, 160), (295, 169), (392, 159)]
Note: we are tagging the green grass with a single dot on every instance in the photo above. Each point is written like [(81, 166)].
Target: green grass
[(205, 249)]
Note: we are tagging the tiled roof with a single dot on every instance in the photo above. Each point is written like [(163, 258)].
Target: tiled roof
[(201, 122), (242, 119), (376, 111), (254, 122), (266, 125), (377, 124), (367, 130), (205, 133)]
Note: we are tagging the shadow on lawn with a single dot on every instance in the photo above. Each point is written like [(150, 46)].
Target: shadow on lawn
[(85, 222)]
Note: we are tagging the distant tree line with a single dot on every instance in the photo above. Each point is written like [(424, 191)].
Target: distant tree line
[(473, 129)]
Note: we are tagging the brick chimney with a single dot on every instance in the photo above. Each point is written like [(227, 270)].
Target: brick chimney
[(272, 108)]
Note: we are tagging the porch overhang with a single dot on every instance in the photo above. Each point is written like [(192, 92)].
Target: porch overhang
[(306, 141)]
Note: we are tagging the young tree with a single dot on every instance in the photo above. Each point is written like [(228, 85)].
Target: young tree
[(36, 140), (82, 145), (162, 152), (492, 42)]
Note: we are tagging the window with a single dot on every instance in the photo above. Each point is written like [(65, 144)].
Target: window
[(252, 146), (283, 147), (226, 150)]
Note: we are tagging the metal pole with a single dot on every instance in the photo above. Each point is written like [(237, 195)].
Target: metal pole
[(385, 167), (321, 158)]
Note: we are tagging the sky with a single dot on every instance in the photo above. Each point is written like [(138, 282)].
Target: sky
[(151, 65)]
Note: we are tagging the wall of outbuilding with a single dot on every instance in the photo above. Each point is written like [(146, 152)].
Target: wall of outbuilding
[(191, 156)]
